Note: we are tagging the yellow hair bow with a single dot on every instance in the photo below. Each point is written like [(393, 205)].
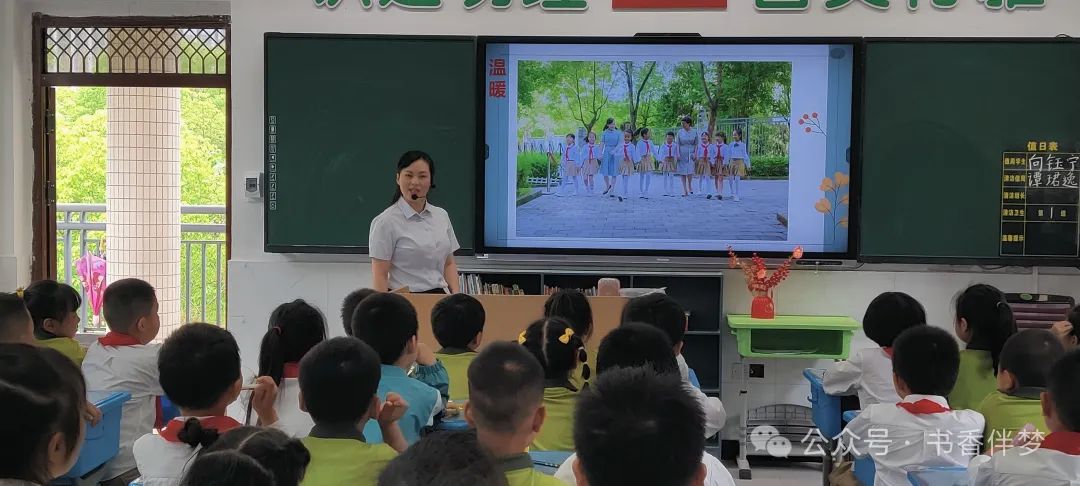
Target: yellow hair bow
[(20, 291), (565, 338), (521, 338)]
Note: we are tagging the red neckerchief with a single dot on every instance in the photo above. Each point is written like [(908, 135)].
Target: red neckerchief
[(291, 370), (590, 151), (648, 147), (669, 149), (1066, 442), (706, 147), (568, 147), (221, 424), (923, 407), (887, 350), (118, 339), (626, 151)]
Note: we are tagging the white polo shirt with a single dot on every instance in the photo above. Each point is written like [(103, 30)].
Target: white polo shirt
[(868, 373), (1055, 463), (896, 437), (417, 245), (715, 414)]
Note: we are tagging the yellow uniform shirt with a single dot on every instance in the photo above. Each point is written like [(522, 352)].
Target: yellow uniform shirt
[(67, 346), (577, 377), (342, 458), (456, 362), (974, 381), (557, 433), (1007, 414), (519, 472)]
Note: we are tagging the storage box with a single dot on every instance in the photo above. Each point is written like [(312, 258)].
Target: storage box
[(820, 337), (102, 441)]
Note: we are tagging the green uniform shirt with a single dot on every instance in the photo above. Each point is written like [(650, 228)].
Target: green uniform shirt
[(975, 380), (1008, 414), (456, 362), (67, 346), (557, 433), (339, 456), (519, 472)]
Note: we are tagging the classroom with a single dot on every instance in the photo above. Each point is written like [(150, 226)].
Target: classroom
[(863, 148)]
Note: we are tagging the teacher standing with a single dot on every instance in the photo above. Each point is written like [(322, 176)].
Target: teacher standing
[(688, 142), (412, 242)]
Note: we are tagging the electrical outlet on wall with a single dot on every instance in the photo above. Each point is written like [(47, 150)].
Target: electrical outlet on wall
[(756, 370), (736, 371)]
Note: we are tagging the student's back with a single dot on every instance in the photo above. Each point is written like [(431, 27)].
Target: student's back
[(984, 321), (1022, 376), (125, 360), (573, 306), (560, 351), (458, 324), (868, 372)]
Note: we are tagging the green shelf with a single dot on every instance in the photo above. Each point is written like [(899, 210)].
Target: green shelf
[(803, 337)]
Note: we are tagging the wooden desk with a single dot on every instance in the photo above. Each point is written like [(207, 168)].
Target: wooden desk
[(508, 315)]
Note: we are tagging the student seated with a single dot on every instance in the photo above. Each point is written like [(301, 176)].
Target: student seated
[(635, 426), (388, 323), (868, 373), (1022, 374), (199, 369), (16, 325), (284, 457), (984, 321), (1068, 331), (348, 307), (458, 324), (444, 459), (1056, 460), (294, 328), (573, 306), (666, 314), (635, 345), (506, 407), (42, 397), (124, 361), (560, 351), (54, 308), (920, 429), (338, 383)]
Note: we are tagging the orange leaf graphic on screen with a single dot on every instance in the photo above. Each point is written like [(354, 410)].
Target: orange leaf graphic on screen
[(844, 221), (845, 199), (823, 206), (827, 185), (842, 179)]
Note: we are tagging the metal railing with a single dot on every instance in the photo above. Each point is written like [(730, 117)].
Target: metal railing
[(81, 228)]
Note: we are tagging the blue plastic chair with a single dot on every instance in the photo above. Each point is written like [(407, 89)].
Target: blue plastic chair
[(455, 424), (938, 476), (548, 462), (168, 410), (864, 466), (102, 441), (824, 408), (693, 378)]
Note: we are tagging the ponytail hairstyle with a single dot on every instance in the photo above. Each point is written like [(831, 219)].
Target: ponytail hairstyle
[(284, 457), (989, 319), (573, 306), (49, 299), (405, 161), (295, 327), (559, 349), (43, 394), (227, 468), (643, 131), (195, 435), (721, 136)]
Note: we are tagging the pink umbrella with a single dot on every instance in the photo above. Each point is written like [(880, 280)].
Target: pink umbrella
[(91, 270)]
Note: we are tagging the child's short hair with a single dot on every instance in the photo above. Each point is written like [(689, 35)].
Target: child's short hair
[(294, 328), (1029, 354), (226, 468), (457, 319), (13, 316), (890, 314), (43, 394), (556, 346), (573, 306), (284, 457), (670, 134), (643, 131), (635, 344), (386, 322), (48, 299), (989, 318), (338, 379), (628, 132), (633, 426), (927, 359), (572, 136), (126, 301), (348, 307), (1064, 393), (443, 459), (506, 383), (659, 310), (198, 364)]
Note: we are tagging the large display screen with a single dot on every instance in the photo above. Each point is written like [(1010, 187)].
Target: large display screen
[(667, 148)]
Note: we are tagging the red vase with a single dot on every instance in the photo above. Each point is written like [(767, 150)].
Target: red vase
[(762, 307)]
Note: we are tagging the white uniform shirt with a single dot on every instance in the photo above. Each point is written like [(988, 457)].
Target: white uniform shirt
[(570, 155), (417, 245), (645, 147), (706, 151), (896, 438), (627, 151), (590, 151), (131, 369), (668, 150), (868, 373), (1023, 467), (291, 420), (715, 414), (162, 463), (737, 150), (715, 472)]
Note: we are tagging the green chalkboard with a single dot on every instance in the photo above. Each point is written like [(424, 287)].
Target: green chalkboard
[(937, 120), (340, 110)]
